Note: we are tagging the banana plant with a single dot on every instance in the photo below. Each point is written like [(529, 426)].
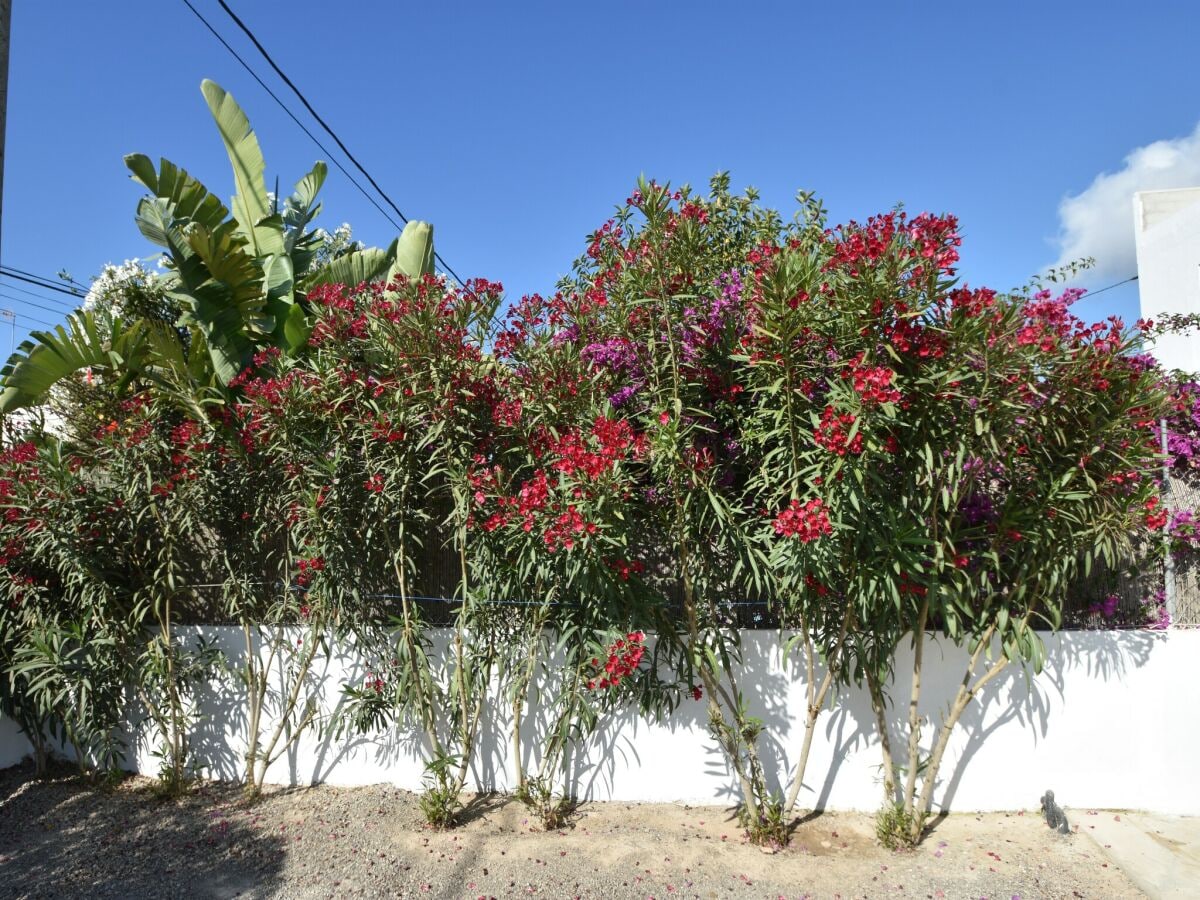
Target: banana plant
[(239, 279), (90, 340), (411, 255)]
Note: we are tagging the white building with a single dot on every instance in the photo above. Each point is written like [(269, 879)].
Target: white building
[(1167, 232)]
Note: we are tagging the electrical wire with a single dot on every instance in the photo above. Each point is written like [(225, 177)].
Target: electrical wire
[(292, 116), (1090, 294), (16, 315), (57, 312), (54, 284), (65, 303), (13, 273), (51, 281), (308, 106)]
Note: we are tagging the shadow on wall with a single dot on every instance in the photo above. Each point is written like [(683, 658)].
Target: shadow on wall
[(594, 768), (630, 757), (66, 839), (1017, 695), (1017, 701), (14, 746), (336, 743), (220, 735)]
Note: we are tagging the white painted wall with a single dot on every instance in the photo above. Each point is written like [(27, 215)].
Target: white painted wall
[(13, 745), (1167, 230), (1112, 722)]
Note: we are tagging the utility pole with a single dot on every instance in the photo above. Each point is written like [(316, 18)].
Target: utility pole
[(5, 35)]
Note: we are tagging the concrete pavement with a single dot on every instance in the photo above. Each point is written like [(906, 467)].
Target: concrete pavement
[(1159, 853)]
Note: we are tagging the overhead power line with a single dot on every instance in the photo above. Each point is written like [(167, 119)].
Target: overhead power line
[(29, 318), (49, 309), (13, 316), (332, 158), (308, 106), (56, 281), (295, 90), (37, 282), (1091, 294), (37, 296), (245, 65)]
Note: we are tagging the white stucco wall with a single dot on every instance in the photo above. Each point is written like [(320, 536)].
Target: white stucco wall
[(1167, 230), (13, 746), (1112, 722)]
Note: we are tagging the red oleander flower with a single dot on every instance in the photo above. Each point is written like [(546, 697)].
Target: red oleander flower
[(804, 521), (833, 433)]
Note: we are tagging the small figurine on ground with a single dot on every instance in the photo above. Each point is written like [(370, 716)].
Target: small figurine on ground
[(1055, 817)]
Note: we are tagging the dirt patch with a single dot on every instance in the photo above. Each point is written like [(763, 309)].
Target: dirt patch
[(62, 839)]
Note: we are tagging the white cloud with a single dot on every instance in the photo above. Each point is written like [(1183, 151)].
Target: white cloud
[(1098, 221)]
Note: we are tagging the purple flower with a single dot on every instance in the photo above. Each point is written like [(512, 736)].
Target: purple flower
[(568, 335), (1155, 606), (977, 509), (1106, 608), (1143, 362), (730, 286), (616, 354), (622, 395)]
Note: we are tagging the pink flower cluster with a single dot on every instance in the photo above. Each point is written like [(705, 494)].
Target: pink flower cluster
[(833, 433), (1156, 514), (873, 383), (308, 567), (625, 568), (804, 521), (565, 528), (624, 657)]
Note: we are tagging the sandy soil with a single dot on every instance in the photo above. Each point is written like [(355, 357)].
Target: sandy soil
[(62, 839)]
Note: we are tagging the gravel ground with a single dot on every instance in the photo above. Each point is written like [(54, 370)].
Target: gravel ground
[(62, 839)]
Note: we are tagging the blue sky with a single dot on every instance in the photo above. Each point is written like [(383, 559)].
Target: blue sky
[(516, 127)]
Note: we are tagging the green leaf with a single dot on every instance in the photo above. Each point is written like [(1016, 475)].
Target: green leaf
[(223, 297), (298, 211), (89, 340), (352, 269), (183, 196), (296, 329), (251, 206), (412, 252)]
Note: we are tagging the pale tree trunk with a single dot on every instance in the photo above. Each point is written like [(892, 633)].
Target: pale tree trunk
[(816, 695)]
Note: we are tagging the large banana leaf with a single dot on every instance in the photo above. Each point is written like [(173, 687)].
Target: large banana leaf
[(265, 230), (352, 269), (221, 291), (91, 339), (411, 254), (186, 379), (251, 205), (298, 211), (281, 305), (294, 330), (412, 251), (179, 196)]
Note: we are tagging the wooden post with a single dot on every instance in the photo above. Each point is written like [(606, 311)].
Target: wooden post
[(5, 30)]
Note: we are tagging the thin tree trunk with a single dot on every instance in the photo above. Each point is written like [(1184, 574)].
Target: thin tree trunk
[(254, 704), (268, 755), (885, 741), (914, 714), (966, 693), (816, 702), (520, 692)]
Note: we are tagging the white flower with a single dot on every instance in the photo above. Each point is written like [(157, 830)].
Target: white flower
[(113, 281)]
